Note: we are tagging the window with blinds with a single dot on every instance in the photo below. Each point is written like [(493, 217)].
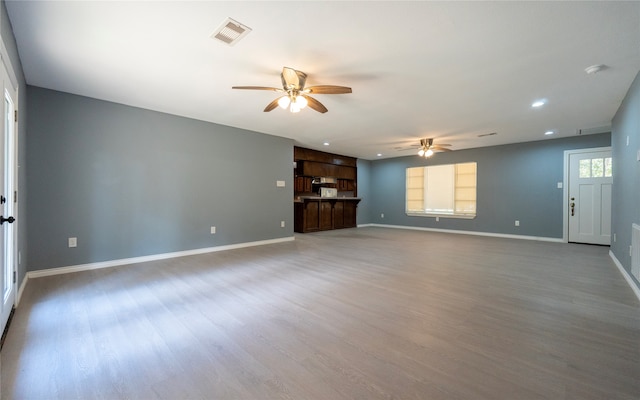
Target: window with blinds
[(442, 190)]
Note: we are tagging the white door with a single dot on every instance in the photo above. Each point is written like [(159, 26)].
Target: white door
[(7, 198), (590, 180)]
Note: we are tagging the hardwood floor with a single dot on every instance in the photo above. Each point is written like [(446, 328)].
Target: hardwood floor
[(368, 313)]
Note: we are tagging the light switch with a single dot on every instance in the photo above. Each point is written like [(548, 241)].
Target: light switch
[(279, 183), (559, 185)]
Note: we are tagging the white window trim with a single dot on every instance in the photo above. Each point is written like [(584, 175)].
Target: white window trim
[(432, 215)]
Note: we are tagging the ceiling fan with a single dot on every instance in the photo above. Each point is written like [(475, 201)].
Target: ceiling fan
[(427, 148), (296, 96)]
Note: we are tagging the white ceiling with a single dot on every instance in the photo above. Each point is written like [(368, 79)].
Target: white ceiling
[(448, 70)]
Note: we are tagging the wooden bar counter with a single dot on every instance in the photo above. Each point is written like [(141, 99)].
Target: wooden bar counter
[(314, 213)]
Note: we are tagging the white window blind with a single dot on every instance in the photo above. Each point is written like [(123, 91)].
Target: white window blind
[(442, 190)]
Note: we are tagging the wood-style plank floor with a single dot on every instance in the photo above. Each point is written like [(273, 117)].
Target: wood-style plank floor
[(368, 313)]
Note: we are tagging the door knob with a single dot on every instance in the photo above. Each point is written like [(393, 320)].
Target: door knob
[(9, 220), (573, 209)]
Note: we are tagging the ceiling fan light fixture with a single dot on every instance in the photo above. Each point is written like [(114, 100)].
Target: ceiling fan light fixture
[(421, 152), (301, 102), (428, 153), (284, 102)]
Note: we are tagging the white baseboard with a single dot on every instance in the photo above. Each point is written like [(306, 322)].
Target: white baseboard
[(626, 275), (154, 257), (476, 233), (21, 289)]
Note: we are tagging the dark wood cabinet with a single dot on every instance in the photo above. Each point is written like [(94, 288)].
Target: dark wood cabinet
[(326, 215), (314, 168), (349, 215), (346, 185), (300, 153), (313, 213), (320, 214), (338, 215), (303, 184)]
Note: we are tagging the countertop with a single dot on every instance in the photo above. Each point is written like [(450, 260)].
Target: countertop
[(300, 199)]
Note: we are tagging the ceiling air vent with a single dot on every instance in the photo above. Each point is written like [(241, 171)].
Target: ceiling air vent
[(230, 32)]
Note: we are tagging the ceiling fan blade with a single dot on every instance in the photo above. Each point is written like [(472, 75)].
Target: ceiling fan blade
[(409, 147), (315, 104), (328, 89), (443, 144), (438, 148), (272, 105), (257, 88), (293, 79)]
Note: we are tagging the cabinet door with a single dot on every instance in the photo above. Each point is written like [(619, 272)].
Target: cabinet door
[(338, 214), (311, 216), (303, 184), (351, 186), (349, 216), (326, 215)]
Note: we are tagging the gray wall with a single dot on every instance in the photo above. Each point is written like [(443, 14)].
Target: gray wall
[(130, 182), (514, 182), (626, 173), (364, 192), (10, 44)]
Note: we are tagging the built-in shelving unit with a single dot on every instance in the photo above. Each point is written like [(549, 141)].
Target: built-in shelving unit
[(315, 170)]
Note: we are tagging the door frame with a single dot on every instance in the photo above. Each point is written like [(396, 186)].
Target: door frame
[(15, 259), (565, 187)]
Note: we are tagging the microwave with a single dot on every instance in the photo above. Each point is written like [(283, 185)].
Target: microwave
[(328, 192)]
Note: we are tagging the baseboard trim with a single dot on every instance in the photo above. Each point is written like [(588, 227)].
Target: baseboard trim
[(21, 289), (625, 274), (154, 257), (476, 233)]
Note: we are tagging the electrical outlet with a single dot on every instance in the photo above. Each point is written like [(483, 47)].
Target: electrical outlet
[(73, 242), (614, 237), (213, 230), (517, 223), (437, 219), (382, 215), (281, 224)]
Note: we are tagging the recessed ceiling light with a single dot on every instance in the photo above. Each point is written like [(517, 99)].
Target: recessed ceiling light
[(326, 143), (538, 103), (379, 154), (594, 69), (549, 133)]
